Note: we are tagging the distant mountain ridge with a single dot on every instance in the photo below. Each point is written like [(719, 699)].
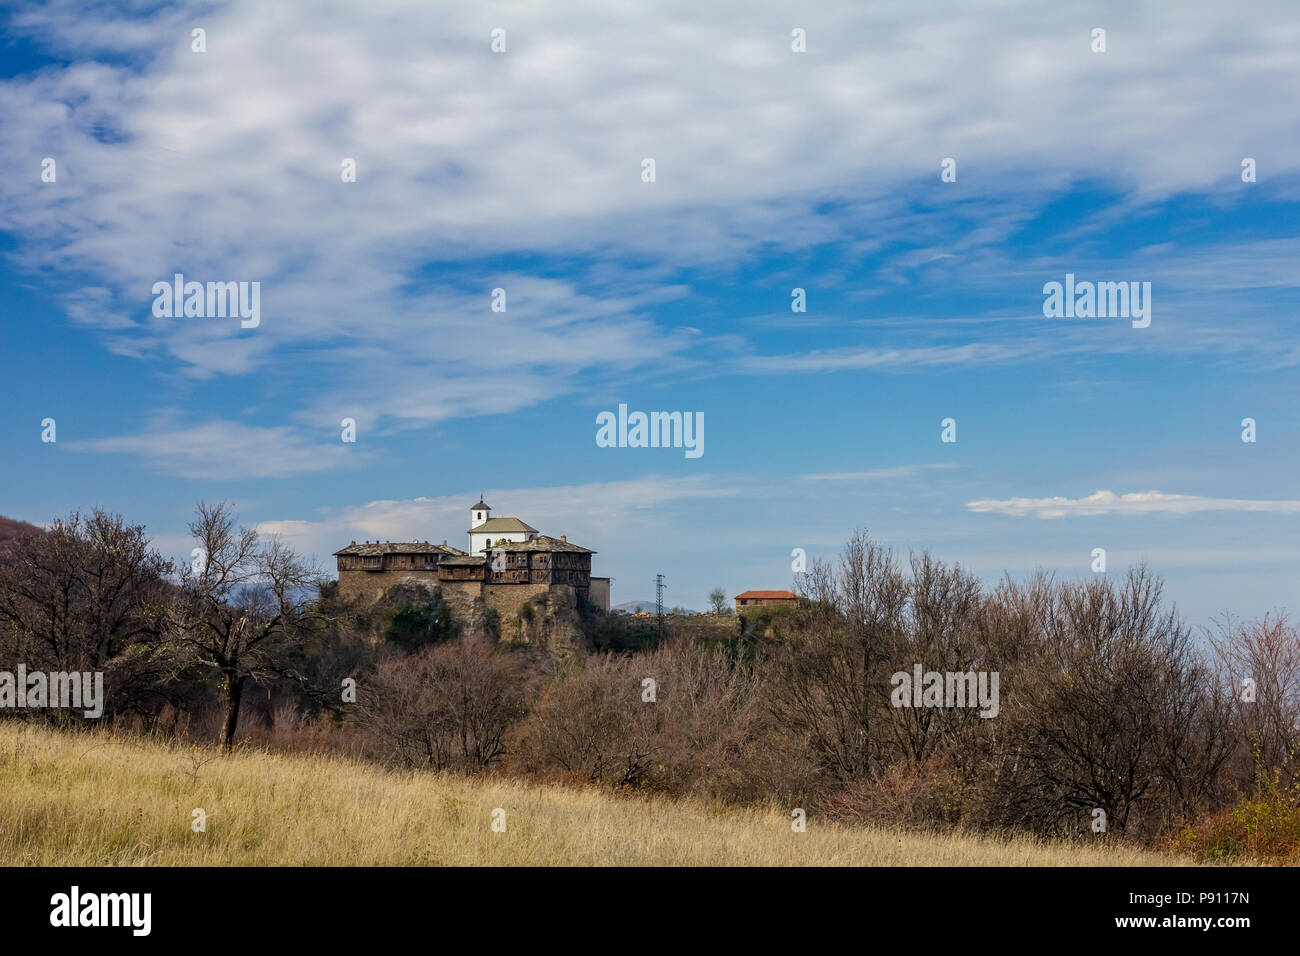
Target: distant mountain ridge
[(632, 607)]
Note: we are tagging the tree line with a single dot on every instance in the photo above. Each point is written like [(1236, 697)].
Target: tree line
[(1111, 708)]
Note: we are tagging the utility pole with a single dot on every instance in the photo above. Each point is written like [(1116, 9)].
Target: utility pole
[(659, 603)]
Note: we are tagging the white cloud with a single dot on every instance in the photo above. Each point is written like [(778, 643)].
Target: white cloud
[(227, 162), (1141, 502), (838, 360), (225, 165), (586, 513), (221, 450), (650, 514)]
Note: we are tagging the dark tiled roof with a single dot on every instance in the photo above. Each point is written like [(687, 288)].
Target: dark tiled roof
[(466, 560), (543, 542), (480, 506), (398, 547)]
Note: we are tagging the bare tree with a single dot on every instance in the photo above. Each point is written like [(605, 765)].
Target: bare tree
[(88, 593), (940, 631), (829, 670), (245, 607), (1260, 668), (1111, 710)]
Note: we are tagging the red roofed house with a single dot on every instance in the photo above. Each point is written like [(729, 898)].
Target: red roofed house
[(758, 598)]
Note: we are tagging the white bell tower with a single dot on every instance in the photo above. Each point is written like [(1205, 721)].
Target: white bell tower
[(479, 514)]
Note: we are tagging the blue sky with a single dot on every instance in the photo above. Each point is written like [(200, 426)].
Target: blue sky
[(774, 170)]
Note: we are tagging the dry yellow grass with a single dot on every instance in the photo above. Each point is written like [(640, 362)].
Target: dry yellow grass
[(101, 800)]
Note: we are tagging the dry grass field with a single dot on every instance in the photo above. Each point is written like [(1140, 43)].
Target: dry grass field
[(100, 800)]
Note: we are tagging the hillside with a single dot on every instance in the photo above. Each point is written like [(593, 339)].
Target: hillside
[(99, 800), (10, 528)]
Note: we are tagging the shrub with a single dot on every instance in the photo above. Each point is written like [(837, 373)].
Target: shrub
[(443, 707), (592, 722), (930, 794), (606, 631), (417, 618), (1264, 826)]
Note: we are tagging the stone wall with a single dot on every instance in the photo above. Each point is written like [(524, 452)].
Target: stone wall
[(369, 586)]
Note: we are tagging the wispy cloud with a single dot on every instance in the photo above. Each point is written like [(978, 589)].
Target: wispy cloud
[(223, 450), (1140, 502), (889, 359), (503, 163)]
